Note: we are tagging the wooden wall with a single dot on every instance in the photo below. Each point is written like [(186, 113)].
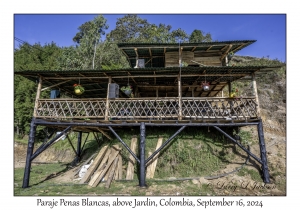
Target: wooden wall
[(172, 59)]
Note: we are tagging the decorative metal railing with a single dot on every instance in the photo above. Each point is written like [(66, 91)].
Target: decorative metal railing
[(148, 108)]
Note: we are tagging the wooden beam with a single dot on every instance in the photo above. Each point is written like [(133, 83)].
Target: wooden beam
[(208, 48), (46, 88), (254, 92), (94, 165), (107, 99), (131, 162), (131, 77), (105, 134), (151, 167), (113, 155), (226, 52), (112, 172), (38, 93), (152, 76), (136, 53), (69, 140)]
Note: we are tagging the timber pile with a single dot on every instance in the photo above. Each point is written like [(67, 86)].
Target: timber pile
[(106, 167), (131, 162), (152, 164)]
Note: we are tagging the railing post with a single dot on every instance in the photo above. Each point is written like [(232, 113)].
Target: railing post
[(142, 182), (179, 98), (263, 152), (254, 92), (29, 153), (107, 99), (38, 93)]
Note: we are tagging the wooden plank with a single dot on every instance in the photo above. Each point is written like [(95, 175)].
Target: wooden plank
[(94, 165), (112, 172), (100, 168), (120, 168), (131, 162), (105, 134), (152, 166), (148, 172), (112, 157)]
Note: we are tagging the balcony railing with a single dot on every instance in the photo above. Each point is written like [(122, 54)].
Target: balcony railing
[(149, 109)]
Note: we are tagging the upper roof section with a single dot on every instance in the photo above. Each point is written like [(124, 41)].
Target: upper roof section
[(167, 54)]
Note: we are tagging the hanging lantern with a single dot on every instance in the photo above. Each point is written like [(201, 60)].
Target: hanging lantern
[(205, 86)]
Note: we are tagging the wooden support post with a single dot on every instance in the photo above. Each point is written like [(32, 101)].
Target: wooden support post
[(179, 98), (120, 168), (142, 178), (263, 153), (38, 93), (254, 92), (107, 99), (29, 153), (79, 146)]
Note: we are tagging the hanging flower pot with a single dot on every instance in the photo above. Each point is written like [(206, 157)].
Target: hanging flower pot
[(127, 90), (78, 89)]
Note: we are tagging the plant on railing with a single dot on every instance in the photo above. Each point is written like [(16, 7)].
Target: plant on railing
[(234, 92), (127, 90), (78, 89)]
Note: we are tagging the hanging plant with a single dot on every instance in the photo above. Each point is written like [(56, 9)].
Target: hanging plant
[(234, 92), (78, 89), (127, 89)]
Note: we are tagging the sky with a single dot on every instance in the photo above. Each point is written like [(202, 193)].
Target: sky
[(268, 29)]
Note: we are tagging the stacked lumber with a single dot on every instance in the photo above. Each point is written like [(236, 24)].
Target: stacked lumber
[(131, 162), (152, 164), (106, 167)]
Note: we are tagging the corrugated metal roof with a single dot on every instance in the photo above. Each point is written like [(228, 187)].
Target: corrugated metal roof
[(95, 81), (156, 51)]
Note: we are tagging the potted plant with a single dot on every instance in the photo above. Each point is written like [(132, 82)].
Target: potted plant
[(234, 92), (78, 89), (127, 90)]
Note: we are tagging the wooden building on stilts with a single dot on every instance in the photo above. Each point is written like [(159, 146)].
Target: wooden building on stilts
[(174, 85)]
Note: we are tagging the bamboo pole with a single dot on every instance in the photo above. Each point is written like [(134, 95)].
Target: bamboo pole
[(254, 92), (107, 99), (179, 98), (38, 93)]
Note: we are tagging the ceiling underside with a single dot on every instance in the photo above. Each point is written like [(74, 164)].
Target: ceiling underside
[(145, 81)]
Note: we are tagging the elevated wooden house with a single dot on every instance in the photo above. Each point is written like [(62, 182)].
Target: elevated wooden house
[(171, 85)]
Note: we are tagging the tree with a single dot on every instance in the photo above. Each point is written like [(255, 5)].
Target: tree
[(27, 57), (88, 38), (199, 36)]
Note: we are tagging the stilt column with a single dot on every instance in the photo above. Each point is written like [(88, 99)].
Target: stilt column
[(29, 153), (142, 182), (263, 153), (79, 146)]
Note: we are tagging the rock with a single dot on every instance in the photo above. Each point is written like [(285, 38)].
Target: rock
[(202, 180), (195, 181)]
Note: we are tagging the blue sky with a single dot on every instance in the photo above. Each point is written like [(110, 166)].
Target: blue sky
[(268, 29)]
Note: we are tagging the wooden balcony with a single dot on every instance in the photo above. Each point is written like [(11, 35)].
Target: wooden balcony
[(210, 109)]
